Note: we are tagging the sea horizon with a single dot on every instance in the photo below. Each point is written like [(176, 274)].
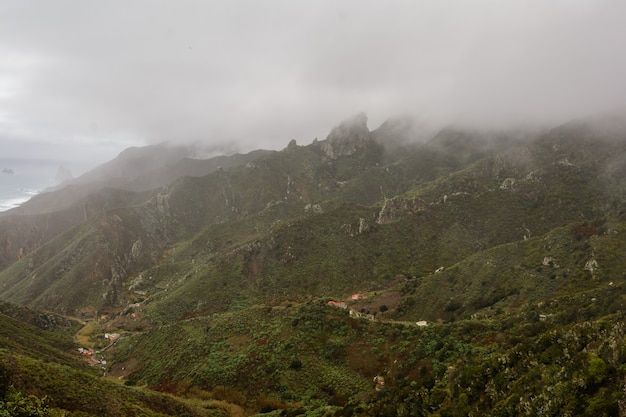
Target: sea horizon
[(23, 178)]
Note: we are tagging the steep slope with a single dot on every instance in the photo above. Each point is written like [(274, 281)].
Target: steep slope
[(22, 234), (497, 205), (510, 250), (135, 169), (312, 356), (437, 221), (188, 167), (41, 370), (104, 248)]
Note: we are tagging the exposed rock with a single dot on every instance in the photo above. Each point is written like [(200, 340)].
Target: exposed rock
[(114, 284), (271, 204), (135, 251), (533, 176), (118, 273), (135, 283), (363, 226), (155, 219), (591, 265), (507, 184), (393, 207), (50, 321), (347, 227), (162, 202), (548, 261), (347, 138), (247, 249), (313, 209)]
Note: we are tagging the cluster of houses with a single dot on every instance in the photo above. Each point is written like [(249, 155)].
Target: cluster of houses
[(85, 351), (358, 315), (111, 337), (353, 313), (94, 357), (91, 356)]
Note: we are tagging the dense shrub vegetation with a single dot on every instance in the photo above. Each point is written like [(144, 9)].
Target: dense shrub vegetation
[(449, 278)]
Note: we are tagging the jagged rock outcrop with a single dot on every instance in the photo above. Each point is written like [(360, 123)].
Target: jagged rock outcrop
[(394, 207), (591, 266), (508, 184), (362, 227), (313, 209), (348, 137)]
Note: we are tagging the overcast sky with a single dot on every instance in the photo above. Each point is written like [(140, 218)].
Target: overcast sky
[(85, 79)]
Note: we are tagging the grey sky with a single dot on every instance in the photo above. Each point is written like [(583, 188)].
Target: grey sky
[(88, 78)]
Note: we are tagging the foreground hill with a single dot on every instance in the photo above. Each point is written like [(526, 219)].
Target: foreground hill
[(507, 245), (42, 373)]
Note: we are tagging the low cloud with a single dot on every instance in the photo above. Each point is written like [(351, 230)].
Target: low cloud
[(104, 75)]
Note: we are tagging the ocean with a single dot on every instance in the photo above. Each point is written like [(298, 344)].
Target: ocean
[(20, 179)]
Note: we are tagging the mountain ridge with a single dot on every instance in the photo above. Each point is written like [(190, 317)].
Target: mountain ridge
[(491, 242), (174, 211)]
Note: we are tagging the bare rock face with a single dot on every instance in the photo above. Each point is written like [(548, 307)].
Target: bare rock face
[(347, 138), (394, 207)]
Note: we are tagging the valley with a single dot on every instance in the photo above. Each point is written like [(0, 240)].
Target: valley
[(475, 273)]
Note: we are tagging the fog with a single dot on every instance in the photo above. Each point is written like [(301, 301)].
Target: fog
[(85, 79)]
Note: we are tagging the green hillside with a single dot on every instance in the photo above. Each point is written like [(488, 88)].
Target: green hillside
[(42, 373), (478, 273)]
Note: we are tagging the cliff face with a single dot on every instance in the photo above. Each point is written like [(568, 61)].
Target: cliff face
[(348, 137)]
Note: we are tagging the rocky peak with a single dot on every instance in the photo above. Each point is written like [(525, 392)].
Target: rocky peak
[(346, 138)]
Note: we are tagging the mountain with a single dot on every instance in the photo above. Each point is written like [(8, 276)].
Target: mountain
[(135, 169), (468, 269)]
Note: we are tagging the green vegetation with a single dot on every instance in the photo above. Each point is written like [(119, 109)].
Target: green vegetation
[(489, 280), (42, 374)]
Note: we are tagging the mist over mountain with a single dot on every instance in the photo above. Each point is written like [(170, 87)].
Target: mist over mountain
[(135, 169), (260, 75), (395, 271), (322, 208)]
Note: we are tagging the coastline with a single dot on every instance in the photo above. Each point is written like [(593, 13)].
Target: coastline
[(22, 179)]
